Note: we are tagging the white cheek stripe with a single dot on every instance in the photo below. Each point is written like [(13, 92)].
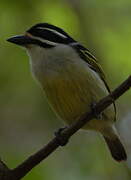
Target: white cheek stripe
[(43, 40), (54, 31), (74, 43)]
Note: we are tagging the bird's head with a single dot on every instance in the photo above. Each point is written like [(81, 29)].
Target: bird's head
[(43, 35)]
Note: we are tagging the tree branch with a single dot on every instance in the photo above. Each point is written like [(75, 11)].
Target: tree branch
[(21, 170)]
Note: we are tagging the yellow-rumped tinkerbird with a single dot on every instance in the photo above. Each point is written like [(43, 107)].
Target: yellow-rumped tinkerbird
[(71, 78)]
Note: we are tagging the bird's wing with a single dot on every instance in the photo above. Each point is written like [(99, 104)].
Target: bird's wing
[(86, 55)]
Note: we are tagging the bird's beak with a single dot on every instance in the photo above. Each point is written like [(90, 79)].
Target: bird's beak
[(21, 40)]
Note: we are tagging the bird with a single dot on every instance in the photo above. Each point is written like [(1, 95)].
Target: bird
[(72, 79)]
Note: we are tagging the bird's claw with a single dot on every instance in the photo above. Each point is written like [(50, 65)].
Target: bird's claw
[(61, 139), (97, 116)]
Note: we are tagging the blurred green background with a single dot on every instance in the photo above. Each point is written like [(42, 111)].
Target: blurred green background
[(26, 120)]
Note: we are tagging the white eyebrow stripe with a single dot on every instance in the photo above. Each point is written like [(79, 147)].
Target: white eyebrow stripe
[(54, 31)]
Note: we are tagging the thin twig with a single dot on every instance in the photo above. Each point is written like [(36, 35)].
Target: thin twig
[(21, 170)]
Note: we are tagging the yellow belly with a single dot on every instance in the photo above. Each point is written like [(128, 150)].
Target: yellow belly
[(72, 92)]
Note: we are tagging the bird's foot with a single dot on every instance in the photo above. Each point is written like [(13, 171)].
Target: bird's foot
[(97, 116), (61, 139)]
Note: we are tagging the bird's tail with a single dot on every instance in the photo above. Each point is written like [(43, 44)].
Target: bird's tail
[(116, 148)]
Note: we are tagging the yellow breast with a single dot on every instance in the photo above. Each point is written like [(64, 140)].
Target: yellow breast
[(72, 91)]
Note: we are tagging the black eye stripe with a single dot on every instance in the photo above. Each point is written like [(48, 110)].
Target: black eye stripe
[(42, 44), (50, 36), (50, 33)]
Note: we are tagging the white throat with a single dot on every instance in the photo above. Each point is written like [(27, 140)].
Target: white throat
[(45, 62)]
